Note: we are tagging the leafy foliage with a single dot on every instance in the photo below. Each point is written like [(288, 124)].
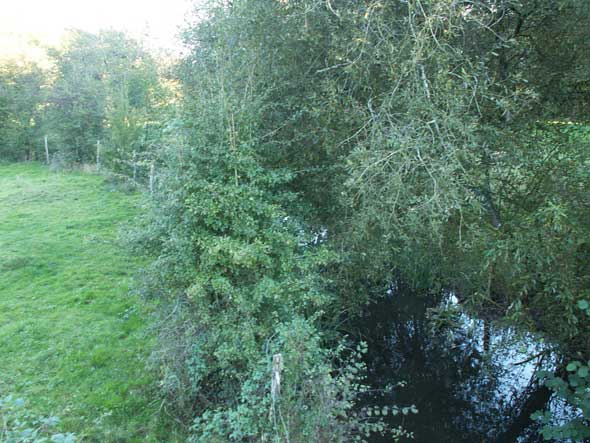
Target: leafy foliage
[(326, 147), (573, 390), (20, 426), (106, 90), (240, 269), (21, 98)]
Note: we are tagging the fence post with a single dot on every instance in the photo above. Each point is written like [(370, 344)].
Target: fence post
[(98, 155), (46, 151), (152, 178), (134, 167)]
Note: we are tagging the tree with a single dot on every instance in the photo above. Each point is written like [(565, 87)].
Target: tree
[(22, 95), (106, 89), (76, 112), (409, 138)]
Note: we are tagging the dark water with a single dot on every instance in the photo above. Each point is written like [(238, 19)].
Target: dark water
[(465, 377)]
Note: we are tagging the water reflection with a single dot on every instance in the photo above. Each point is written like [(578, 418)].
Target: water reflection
[(465, 377)]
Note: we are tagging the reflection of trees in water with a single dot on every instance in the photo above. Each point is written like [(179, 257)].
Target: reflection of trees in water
[(463, 394)]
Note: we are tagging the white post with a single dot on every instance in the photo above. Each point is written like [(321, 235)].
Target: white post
[(98, 155), (275, 383), (46, 151), (152, 178)]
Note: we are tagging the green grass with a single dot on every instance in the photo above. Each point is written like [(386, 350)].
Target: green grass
[(73, 342)]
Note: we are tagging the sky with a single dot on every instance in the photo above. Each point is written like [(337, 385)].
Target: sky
[(48, 20)]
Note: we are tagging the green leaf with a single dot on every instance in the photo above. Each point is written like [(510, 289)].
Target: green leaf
[(583, 305), (571, 367)]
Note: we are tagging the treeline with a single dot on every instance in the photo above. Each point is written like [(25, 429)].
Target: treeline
[(322, 153), (99, 95)]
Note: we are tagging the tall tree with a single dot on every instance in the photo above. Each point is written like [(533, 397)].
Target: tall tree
[(411, 138), (106, 89), (22, 95)]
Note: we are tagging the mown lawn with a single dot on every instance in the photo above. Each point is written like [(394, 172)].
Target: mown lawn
[(73, 342)]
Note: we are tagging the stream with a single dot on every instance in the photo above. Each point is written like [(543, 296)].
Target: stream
[(468, 379)]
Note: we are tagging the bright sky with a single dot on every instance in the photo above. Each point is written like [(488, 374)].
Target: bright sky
[(47, 20)]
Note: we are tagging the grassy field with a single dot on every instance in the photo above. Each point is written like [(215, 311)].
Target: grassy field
[(73, 342)]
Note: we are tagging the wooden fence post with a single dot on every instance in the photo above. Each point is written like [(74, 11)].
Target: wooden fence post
[(134, 167), (152, 178), (46, 151), (98, 155)]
